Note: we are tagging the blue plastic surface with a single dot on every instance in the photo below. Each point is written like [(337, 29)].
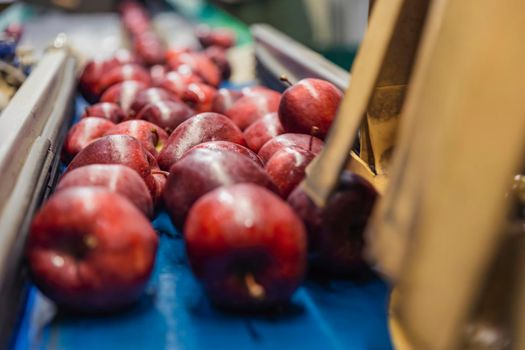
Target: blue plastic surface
[(175, 314)]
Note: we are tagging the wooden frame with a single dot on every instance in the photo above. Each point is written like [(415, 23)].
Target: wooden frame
[(32, 129)]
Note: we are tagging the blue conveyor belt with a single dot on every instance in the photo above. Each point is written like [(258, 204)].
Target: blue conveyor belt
[(175, 314)]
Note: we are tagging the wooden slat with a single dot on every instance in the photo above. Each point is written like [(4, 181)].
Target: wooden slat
[(323, 173), (464, 140), (389, 228), (25, 116), (378, 137), (38, 117)]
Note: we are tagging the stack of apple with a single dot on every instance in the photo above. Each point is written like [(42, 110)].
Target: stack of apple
[(161, 135)]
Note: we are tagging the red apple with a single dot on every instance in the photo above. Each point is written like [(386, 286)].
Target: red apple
[(166, 114), (134, 17), (310, 143), (176, 82), (218, 56), (221, 37), (263, 130), (82, 134), (174, 52), (124, 73), (149, 48), (14, 31), (158, 73), (150, 95), (286, 168), (202, 170), (89, 81), (199, 96), (115, 178), (246, 246), (125, 57), (232, 147), (91, 250), (200, 65), (150, 135), (252, 107), (125, 150), (311, 103), (335, 232), (224, 99), (123, 93), (137, 25), (198, 129), (106, 110)]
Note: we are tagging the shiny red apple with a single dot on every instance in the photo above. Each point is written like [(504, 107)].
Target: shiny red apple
[(82, 134), (106, 110), (157, 73), (94, 70), (113, 177), (232, 147), (247, 247), (220, 37), (125, 150), (149, 48), (224, 99), (335, 232), (311, 103), (252, 107), (286, 168), (150, 95), (152, 137), (263, 130), (199, 96), (198, 129), (218, 56), (202, 170), (310, 143), (176, 82), (166, 114), (91, 250), (125, 56), (135, 18), (123, 94), (123, 73), (174, 52), (200, 65)]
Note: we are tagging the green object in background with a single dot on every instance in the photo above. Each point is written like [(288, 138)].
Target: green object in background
[(287, 16), (201, 11), (16, 13), (342, 56), (290, 17)]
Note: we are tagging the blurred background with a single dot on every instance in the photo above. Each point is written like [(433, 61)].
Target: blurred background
[(333, 28)]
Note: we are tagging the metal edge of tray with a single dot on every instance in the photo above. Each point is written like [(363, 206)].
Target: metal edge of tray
[(278, 54), (32, 130)]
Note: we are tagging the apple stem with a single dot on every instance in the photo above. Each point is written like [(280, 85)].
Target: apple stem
[(314, 131), (285, 80), (255, 290)]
